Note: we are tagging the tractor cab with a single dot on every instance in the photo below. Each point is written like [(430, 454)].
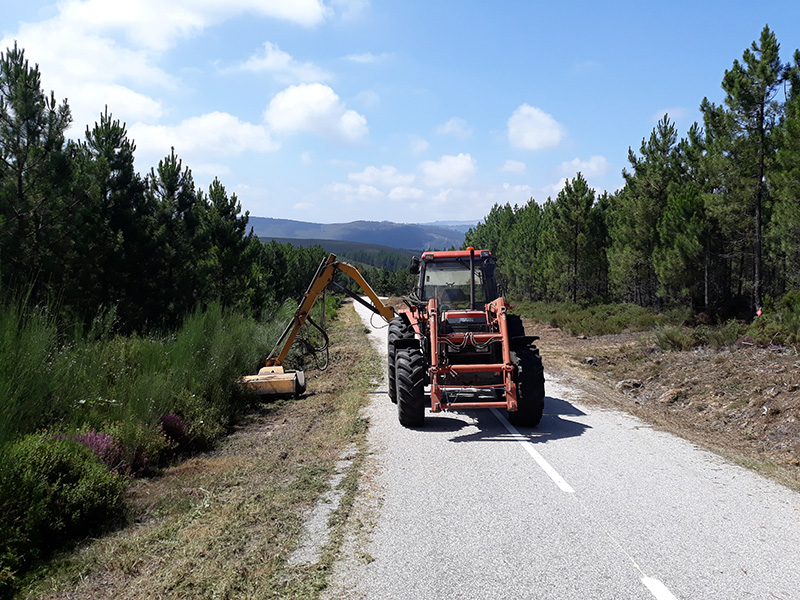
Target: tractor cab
[(457, 280)]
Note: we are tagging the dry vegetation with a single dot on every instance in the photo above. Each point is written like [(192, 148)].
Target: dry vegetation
[(222, 524), (742, 402)]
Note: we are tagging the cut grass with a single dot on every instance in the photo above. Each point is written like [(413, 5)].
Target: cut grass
[(223, 524)]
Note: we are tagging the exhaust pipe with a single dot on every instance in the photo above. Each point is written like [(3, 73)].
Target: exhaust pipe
[(472, 278)]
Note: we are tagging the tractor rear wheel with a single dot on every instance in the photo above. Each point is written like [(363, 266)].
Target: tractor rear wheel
[(410, 390), (530, 387)]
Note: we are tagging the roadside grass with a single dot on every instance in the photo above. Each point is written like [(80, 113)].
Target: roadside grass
[(598, 319), (779, 325), (66, 382), (106, 409), (681, 338), (223, 523)]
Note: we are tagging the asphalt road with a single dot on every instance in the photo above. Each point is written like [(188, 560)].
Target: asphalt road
[(592, 504)]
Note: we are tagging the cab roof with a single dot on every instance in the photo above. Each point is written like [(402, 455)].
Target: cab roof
[(455, 254)]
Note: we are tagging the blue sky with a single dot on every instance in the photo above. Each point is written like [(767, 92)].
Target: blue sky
[(407, 111)]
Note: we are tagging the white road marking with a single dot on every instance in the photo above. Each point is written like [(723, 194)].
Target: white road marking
[(658, 589), (546, 466)]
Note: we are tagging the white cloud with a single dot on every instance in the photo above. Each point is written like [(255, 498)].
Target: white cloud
[(531, 128), (443, 197), (210, 170), (595, 166), (522, 189), (551, 191), (514, 166), (122, 102), (405, 193), (158, 25), (105, 52), (457, 127), (366, 58), (272, 59), (350, 193), (449, 170), (418, 145), (92, 72), (350, 9), (314, 108), (385, 176), (215, 133)]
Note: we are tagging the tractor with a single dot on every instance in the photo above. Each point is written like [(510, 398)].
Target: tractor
[(457, 336)]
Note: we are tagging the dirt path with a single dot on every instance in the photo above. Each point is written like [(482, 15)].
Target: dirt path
[(742, 403)]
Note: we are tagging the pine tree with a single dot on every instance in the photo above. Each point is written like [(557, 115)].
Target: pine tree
[(740, 137), (520, 267), (571, 237), (179, 211), (488, 234), (34, 171), (636, 211), (682, 260), (113, 225), (785, 222), (226, 258)]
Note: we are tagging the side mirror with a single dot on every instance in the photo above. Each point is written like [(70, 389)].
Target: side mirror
[(414, 267)]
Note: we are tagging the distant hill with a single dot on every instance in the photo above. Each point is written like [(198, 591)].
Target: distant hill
[(460, 226), (395, 235), (374, 255)]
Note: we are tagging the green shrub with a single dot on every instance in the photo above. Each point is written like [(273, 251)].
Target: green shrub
[(723, 336), (779, 324), (597, 319), (27, 344), (676, 338), (51, 491)]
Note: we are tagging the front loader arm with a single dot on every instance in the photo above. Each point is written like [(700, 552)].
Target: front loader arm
[(322, 280)]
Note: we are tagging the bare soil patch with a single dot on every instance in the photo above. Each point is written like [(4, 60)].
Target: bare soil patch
[(742, 402)]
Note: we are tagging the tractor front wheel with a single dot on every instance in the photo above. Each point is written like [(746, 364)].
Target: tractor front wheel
[(398, 330), (530, 387), (410, 390)]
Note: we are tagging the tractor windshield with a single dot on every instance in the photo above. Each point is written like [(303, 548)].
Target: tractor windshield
[(449, 281)]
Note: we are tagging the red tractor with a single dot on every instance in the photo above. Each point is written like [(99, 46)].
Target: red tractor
[(458, 337)]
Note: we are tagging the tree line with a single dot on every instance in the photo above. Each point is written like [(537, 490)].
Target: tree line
[(81, 229), (710, 220)]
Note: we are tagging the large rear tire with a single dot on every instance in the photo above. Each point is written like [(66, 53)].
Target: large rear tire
[(410, 391), (530, 387)]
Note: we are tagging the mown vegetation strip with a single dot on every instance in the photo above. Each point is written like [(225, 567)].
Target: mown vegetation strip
[(223, 524)]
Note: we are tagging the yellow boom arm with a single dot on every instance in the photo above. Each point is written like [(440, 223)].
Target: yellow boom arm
[(272, 379), (323, 278)]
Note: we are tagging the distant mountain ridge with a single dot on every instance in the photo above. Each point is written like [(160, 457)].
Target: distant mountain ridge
[(374, 255), (406, 236)]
